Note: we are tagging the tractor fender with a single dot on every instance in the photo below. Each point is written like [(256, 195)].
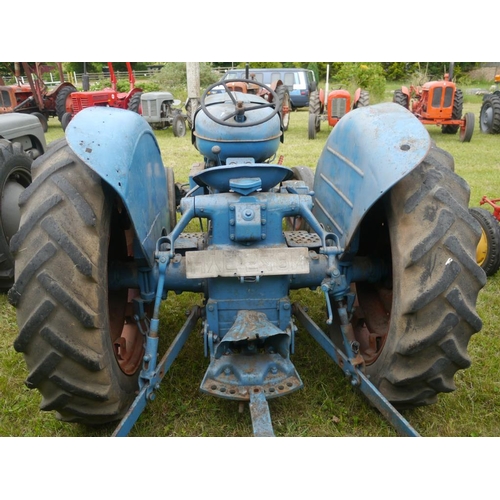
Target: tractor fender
[(406, 92), (322, 96), (355, 98), (369, 150), (121, 148)]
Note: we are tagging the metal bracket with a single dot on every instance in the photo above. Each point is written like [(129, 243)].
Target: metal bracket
[(157, 373), (357, 377)]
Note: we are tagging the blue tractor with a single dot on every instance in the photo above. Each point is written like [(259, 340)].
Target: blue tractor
[(381, 228)]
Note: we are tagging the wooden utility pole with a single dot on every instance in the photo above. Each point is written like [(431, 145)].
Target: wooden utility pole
[(193, 88)]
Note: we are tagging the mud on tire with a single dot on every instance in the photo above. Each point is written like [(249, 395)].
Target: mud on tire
[(414, 327), (82, 350)]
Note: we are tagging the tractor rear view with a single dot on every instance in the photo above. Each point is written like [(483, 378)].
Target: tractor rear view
[(387, 241), (438, 103), (111, 97)]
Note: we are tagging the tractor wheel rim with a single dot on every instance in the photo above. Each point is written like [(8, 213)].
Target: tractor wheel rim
[(482, 249), (487, 118)]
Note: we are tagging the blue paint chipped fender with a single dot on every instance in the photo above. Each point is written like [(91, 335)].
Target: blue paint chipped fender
[(121, 148), (367, 153)]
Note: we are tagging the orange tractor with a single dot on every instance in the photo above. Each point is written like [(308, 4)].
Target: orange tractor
[(107, 97), (338, 104), (438, 103)]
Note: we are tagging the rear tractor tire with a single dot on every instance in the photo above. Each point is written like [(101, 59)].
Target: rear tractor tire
[(363, 101), (15, 177), (82, 348), (489, 116), (285, 105), (401, 98), (63, 101), (414, 326), (135, 103), (458, 105)]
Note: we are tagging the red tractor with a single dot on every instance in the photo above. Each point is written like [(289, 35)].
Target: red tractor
[(438, 103), (488, 248), (35, 97), (107, 97), (338, 104)]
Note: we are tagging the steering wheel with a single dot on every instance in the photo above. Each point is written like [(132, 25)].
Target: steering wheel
[(239, 106)]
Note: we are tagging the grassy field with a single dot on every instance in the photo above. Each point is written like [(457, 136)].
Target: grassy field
[(326, 406)]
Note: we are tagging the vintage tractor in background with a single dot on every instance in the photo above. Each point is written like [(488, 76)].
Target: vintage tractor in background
[(158, 109), (489, 116), (21, 141), (35, 97), (438, 103), (249, 85), (111, 97), (338, 104), (101, 245), (488, 248)]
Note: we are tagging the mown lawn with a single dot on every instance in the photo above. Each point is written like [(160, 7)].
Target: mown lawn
[(326, 406)]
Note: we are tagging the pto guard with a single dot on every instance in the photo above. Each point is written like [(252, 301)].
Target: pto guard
[(368, 151), (121, 148)]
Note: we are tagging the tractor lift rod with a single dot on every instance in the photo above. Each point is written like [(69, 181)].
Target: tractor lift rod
[(156, 375), (358, 378)]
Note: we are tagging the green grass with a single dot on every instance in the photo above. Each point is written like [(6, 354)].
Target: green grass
[(327, 405)]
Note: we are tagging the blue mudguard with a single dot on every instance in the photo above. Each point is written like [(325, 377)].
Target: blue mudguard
[(367, 152), (121, 148)]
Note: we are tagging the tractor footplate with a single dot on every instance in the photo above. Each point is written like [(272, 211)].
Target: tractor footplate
[(237, 376), (302, 239)]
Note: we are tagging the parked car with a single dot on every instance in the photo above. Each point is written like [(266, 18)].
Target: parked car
[(297, 80)]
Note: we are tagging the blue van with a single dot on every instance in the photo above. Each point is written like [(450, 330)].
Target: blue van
[(297, 80)]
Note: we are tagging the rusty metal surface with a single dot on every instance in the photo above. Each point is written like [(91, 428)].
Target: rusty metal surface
[(259, 411)]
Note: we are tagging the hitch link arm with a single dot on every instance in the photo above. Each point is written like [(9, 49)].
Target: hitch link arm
[(358, 378)]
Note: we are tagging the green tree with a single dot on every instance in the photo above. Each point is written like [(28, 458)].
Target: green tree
[(173, 76), (367, 76)]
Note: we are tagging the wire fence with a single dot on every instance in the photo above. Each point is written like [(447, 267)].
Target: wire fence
[(52, 79)]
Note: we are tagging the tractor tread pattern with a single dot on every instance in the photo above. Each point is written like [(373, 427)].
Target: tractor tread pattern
[(61, 304), (490, 102), (11, 155), (458, 105), (438, 285)]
